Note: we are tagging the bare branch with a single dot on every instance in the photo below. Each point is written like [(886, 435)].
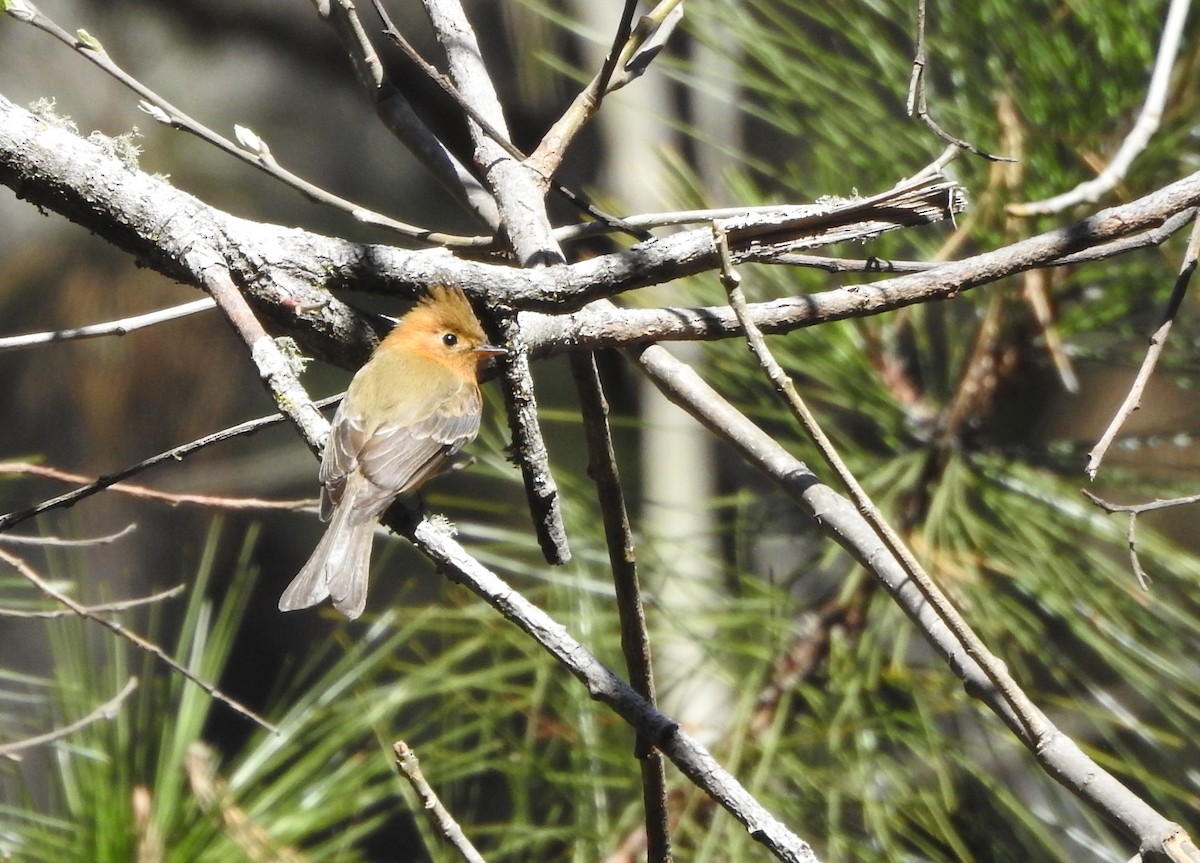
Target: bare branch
[(107, 710), (620, 37), (133, 638), (172, 498), (917, 102), (282, 269), (839, 519), (1139, 136), (273, 368), (1134, 510), (529, 447), (1139, 508), (515, 186), (630, 54), (164, 112), (172, 455), (400, 118), (122, 327), (486, 122), (406, 761), (603, 685), (1158, 342), (158, 224), (622, 559), (998, 676)]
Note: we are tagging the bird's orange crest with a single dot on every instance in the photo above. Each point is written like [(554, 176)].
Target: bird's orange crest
[(441, 326)]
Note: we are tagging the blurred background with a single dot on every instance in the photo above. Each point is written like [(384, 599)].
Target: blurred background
[(969, 420)]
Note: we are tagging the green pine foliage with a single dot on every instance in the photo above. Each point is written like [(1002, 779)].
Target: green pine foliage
[(893, 759), (873, 753)]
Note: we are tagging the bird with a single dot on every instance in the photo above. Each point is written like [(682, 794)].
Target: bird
[(408, 411)]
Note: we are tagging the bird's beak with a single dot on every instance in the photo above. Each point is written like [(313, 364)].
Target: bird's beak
[(485, 351)]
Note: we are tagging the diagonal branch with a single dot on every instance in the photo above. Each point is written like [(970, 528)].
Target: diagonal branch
[(398, 115), (1158, 341), (1021, 707), (684, 751), (439, 816), (497, 133), (273, 368), (839, 519), (255, 153), (107, 710), (175, 454), (121, 631), (1139, 136), (631, 53), (516, 188)]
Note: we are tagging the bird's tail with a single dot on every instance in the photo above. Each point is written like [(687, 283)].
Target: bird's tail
[(338, 568)]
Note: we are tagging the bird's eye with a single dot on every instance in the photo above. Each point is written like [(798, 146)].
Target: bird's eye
[(449, 340)]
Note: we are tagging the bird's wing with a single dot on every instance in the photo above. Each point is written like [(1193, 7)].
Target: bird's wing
[(403, 448), (402, 453), (347, 434)]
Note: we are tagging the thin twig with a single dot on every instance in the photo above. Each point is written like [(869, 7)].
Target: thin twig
[(622, 558), (620, 37), (255, 152), (1139, 136), (172, 455), (1135, 562), (141, 491), (1158, 342), (495, 132), (1139, 508), (99, 608), (57, 541), (630, 55), (918, 105), (107, 710), (399, 116), (133, 638), (121, 327), (406, 761), (1134, 510)]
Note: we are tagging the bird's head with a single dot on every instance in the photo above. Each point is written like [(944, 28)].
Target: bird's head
[(443, 327)]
